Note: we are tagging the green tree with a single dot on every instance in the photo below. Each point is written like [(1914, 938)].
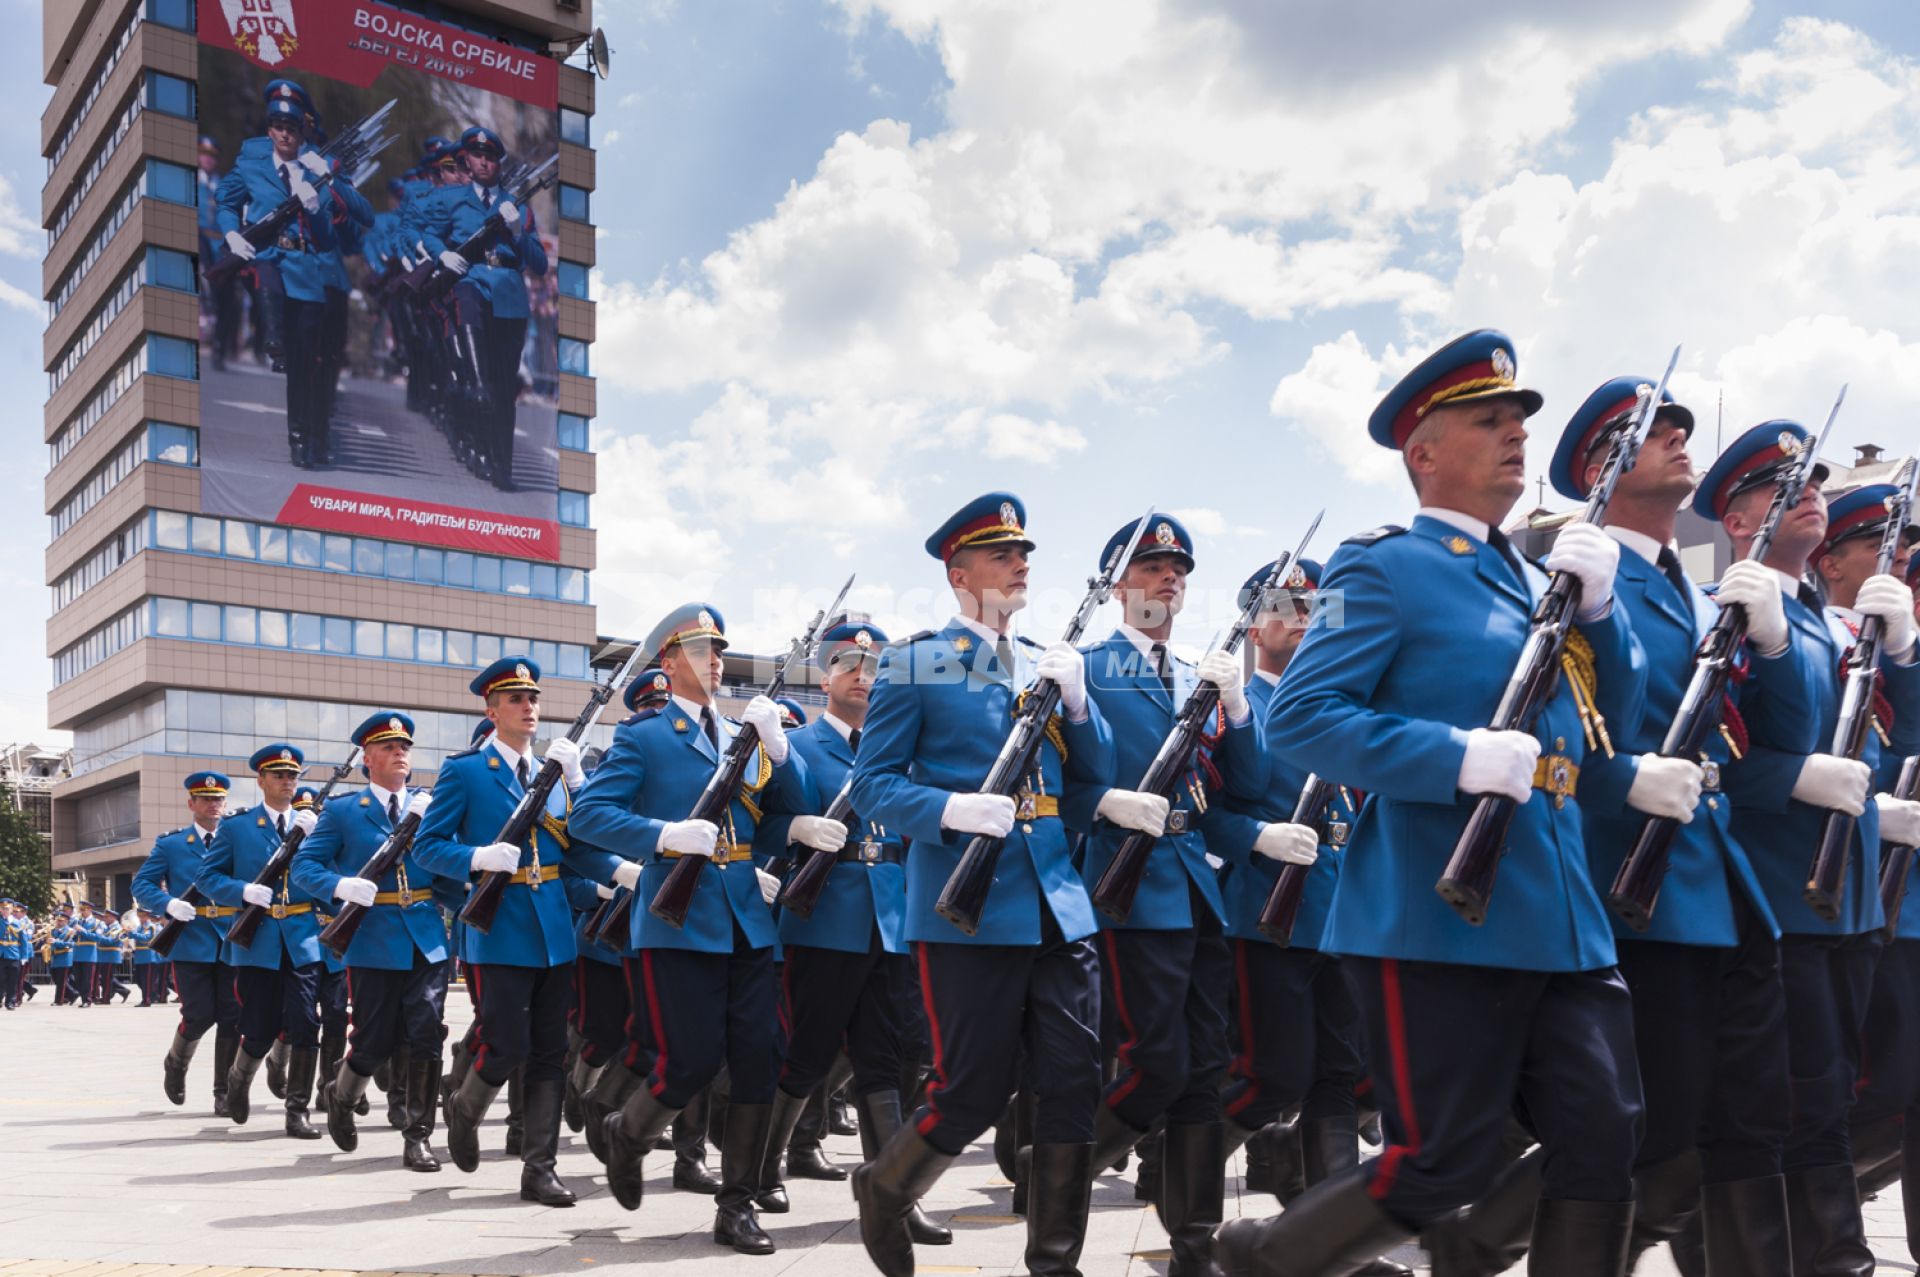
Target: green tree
[(26, 862)]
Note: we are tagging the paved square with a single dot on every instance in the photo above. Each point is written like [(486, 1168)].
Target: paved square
[(100, 1171)]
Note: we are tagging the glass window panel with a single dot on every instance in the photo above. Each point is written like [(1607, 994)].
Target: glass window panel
[(168, 269), (169, 530), (173, 356), (546, 581), (243, 541), (572, 431), (545, 655), (572, 277), (573, 357), (369, 638), (432, 645), (242, 627), (369, 557), (574, 509), (573, 660), (576, 204), (203, 711), (399, 642), (176, 741), (516, 576), (486, 649), (205, 535), (486, 574), (460, 569), (338, 635), (177, 706), (206, 744), (236, 714), (273, 545), (339, 554), (273, 629), (330, 722), (459, 647), (175, 445), (206, 622), (428, 565), (174, 183), (307, 631), (270, 716), (574, 127), (170, 618), (304, 549), (573, 585), (400, 562), (302, 717)]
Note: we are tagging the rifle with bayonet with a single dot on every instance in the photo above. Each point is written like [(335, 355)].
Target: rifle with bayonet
[(1119, 883), (247, 924), (339, 933), (1827, 875), (964, 896), (349, 158), (431, 280), (1467, 882)]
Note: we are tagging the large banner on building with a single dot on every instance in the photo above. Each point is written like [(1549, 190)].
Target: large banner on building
[(378, 292)]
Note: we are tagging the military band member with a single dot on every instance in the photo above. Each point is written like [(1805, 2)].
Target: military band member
[(705, 993), (1460, 1020), (16, 946), (86, 951), (60, 958), (520, 969), (397, 962), (1709, 1011), (939, 713), (141, 932), (1781, 800)]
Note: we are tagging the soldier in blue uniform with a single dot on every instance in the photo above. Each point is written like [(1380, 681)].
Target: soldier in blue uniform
[(519, 970), (490, 307), (277, 976), (1460, 1020), (939, 713), (60, 939), (201, 974), (16, 946), (86, 952), (1165, 970), (397, 962), (704, 992), (140, 931), (222, 302), (1781, 800)]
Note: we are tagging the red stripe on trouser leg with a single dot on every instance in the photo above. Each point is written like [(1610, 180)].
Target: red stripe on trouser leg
[(939, 1084), (657, 1082), (1242, 1069), (1394, 1010), (479, 1024), (1125, 1051)]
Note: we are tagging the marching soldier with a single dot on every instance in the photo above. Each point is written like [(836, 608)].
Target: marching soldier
[(140, 931), (939, 712), (397, 962), (277, 976), (1781, 798), (520, 969), (16, 946), (847, 976), (60, 957), (201, 974), (1709, 1012), (1459, 1020), (1165, 969), (708, 988), (86, 952)]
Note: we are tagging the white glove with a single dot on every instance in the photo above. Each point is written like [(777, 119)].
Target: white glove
[(567, 754), (509, 214), (690, 837), (314, 162), (989, 814), (625, 874), (179, 910), (1899, 820), (1592, 556), (304, 821), (763, 716), (1499, 763), (1063, 663), (1667, 787), (1756, 588), (1285, 841), (603, 891), (496, 858), (1131, 809), (1891, 600), (355, 891), (1838, 784), (240, 246), (769, 885), (131, 918), (418, 804), (304, 192), (455, 263), (1222, 669), (257, 893), (818, 833)]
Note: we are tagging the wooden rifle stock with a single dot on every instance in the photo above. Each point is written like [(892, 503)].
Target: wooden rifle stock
[(171, 931), (801, 896), (339, 933), (1898, 866), (1282, 908), (247, 923)]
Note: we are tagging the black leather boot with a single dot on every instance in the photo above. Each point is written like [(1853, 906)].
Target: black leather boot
[(541, 1144), (1330, 1147), (1113, 1138), (1689, 1250), (580, 1079), (1745, 1223), (465, 1109), (1823, 1211), (716, 1112), (226, 1044), (422, 1090), (690, 1173), (880, 1117), (1665, 1196), (345, 1087), (396, 1088), (516, 1111), (1275, 1163), (1057, 1208), (630, 1133), (333, 1045), (457, 1069), (610, 1090), (240, 1084), (805, 1158), (1910, 1183), (770, 1194), (277, 1069), (1332, 1230), (1580, 1239), (1192, 1196), (301, 1066), (1490, 1236), (743, 1160), (173, 1069), (886, 1190)]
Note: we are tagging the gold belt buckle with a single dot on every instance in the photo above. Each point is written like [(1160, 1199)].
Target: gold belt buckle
[(1026, 808), (1710, 777), (869, 852), (1177, 821), (1337, 833), (277, 912)]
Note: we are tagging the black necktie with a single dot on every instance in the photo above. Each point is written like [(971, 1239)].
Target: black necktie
[(526, 778), (1670, 565), (1003, 653), (486, 197), (853, 739), (711, 728), (280, 824), (393, 800), (1504, 548), (286, 175), (1808, 599), (1157, 654)]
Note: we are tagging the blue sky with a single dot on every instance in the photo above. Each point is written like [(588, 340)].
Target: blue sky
[(862, 260)]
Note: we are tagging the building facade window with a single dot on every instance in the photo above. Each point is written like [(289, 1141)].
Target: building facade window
[(572, 278), (573, 433), (574, 511), (575, 203), (573, 357), (101, 74), (575, 127)]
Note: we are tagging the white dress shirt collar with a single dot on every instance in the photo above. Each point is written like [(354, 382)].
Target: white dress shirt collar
[(845, 729), (1475, 528), (1639, 542)]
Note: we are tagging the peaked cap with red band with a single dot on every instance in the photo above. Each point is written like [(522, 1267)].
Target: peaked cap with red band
[(1477, 366)]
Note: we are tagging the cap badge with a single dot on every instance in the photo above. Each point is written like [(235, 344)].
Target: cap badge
[(706, 619), (1297, 579), (1789, 444), (862, 639), (393, 725), (1502, 364), (286, 755), (520, 671), (1009, 515), (1164, 535)]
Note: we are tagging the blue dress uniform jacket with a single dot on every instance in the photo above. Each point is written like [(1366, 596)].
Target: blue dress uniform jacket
[(1781, 833), (1139, 714), (169, 869), (86, 940), (240, 849), (449, 215), (253, 189), (60, 948), (1434, 623), (857, 897), (1777, 705), (658, 763), (473, 797), (348, 834), (934, 726), (1237, 822)]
